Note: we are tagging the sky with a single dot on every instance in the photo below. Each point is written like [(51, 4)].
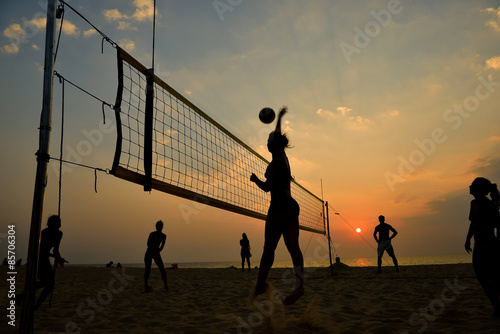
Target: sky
[(393, 110)]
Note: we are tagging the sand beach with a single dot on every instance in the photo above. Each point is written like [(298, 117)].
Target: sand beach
[(418, 299)]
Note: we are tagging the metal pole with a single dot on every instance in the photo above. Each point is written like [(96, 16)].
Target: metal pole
[(329, 239), (27, 313)]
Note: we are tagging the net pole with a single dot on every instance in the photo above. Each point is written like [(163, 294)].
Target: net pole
[(329, 239), (27, 312)]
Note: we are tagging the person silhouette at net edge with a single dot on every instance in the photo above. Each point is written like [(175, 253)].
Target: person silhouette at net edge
[(384, 242), (484, 218), (245, 251), (50, 239), (283, 214), (156, 242)]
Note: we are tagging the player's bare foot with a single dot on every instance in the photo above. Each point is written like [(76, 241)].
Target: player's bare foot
[(293, 297), (148, 288)]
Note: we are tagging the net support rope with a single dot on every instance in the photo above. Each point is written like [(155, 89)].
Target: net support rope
[(62, 80)]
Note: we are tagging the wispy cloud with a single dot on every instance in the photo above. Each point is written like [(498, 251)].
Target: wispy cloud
[(434, 88), (357, 122), (10, 48), (18, 35), (14, 32), (493, 63), (343, 110), (495, 22), (70, 29), (114, 14), (144, 10), (90, 32), (338, 113), (393, 113), (127, 44)]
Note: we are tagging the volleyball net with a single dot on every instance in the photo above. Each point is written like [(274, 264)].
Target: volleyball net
[(166, 143)]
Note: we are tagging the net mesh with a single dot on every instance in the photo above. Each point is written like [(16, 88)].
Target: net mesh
[(192, 155)]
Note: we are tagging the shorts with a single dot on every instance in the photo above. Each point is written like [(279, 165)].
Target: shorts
[(284, 206), (384, 246)]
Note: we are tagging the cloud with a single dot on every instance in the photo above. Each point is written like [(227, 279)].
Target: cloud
[(90, 32), (493, 63), (35, 47), (127, 44), (393, 113), (494, 23), (488, 167), (113, 15), (494, 11), (338, 113), (10, 48), (144, 10), (342, 113), (40, 22), (358, 122), (14, 32), (19, 35), (122, 25), (344, 110), (434, 88), (494, 138), (70, 29), (326, 113)]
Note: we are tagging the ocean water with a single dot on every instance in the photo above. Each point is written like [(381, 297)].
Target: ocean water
[(352, 262)]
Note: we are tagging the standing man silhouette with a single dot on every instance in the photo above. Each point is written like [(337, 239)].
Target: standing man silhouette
[(156, 241), (384, 242)]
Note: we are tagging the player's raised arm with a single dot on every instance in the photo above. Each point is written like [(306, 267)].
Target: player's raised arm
[(282, 112)]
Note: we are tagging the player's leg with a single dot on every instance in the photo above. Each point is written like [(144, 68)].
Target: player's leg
[(272, 236), (161, 266)]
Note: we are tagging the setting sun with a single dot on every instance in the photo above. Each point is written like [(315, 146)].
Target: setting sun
[(358, 230)]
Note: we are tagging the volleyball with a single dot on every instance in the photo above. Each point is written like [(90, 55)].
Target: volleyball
[(267, 115)]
